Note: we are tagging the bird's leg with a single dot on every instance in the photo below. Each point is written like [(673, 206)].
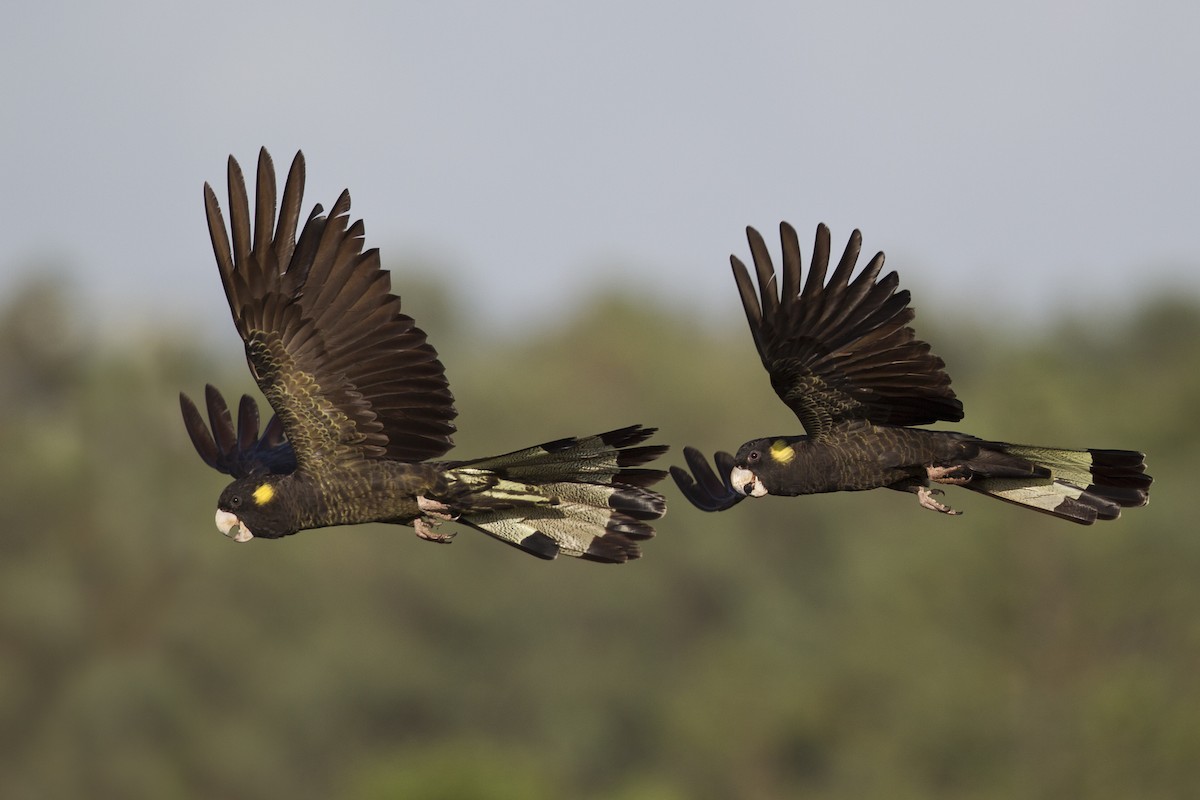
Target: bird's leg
[(434, 508), (428, 531), (924, 495), (950, 475), (925, 498), (434, 513)]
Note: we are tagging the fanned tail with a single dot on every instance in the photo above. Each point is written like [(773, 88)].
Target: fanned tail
[(1077, 485), (586, 497)]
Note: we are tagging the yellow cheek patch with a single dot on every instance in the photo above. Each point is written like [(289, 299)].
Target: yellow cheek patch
[(782, 452), (264, 494)]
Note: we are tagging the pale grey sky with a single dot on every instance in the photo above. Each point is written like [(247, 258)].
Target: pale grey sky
[(1012, 158)]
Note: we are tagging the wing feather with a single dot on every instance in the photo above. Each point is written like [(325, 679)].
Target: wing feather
[(707, 489), (239, 454), (348, 375), (840, 349)]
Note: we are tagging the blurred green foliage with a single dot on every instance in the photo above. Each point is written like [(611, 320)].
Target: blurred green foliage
[(840, 646)]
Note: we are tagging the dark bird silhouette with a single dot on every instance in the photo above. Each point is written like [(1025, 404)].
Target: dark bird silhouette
[(362, 402), (842, 356)]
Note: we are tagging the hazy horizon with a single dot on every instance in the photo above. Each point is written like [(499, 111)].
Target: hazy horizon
[(1010, 162)]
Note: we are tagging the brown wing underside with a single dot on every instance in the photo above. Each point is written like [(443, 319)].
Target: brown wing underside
[(840, 350), (348, 374)]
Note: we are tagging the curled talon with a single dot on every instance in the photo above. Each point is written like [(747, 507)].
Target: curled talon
[(954, 476), (435, 509), (925, 498), (428, 531)]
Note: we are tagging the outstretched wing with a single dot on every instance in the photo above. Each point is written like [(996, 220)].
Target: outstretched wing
[(347, 373), (841, 350), (241, 453), (709, 491)]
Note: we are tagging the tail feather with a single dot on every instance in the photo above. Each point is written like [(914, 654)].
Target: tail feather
[(1078, 485), (585, 497), (609, 457)]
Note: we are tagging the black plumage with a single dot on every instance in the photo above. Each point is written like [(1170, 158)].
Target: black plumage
[(362, 402), (841, 355)]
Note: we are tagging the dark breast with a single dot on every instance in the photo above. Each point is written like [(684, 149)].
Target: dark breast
[(370, 491), (859, 457)]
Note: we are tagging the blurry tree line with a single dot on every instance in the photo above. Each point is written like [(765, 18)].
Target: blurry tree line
[(842, 646)]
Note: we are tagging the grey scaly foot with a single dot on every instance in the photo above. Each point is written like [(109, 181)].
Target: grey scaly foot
[(428, 531), (951, 475), (925, 498), (434, 508), (434, 514)]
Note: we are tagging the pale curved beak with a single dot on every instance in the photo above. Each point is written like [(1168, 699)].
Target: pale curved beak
[(746, 482), (226, 523)]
